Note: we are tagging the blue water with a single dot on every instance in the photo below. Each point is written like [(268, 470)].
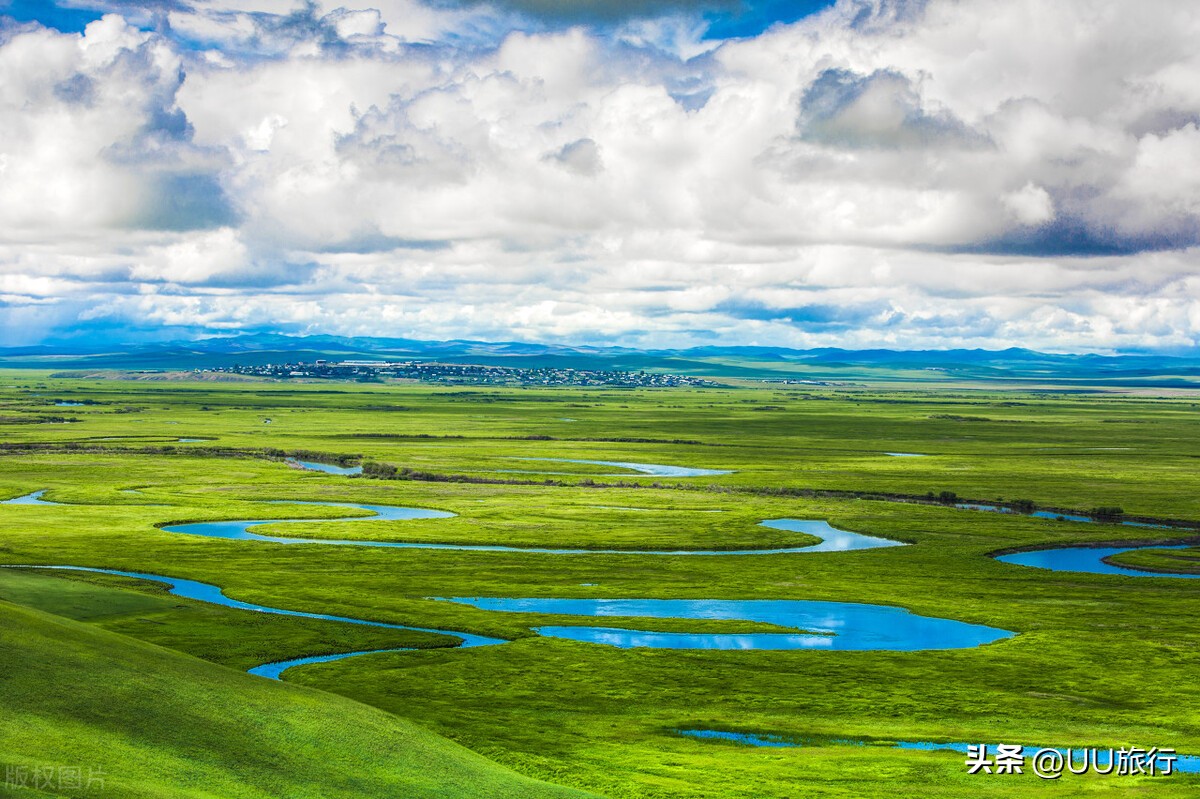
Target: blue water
[(328, 468), (832, 539), (192, 440), (213, 595), (906, 454), (240, 529), (1062, 517), (1184, 764), (1079, 559), (747, 738), (1087, 559), (64, 404), (822, 625), (30, 499), (274, 671), (1040, 514), (36, 499), (651, 469)]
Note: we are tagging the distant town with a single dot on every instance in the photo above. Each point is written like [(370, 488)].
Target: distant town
[(463, 374)]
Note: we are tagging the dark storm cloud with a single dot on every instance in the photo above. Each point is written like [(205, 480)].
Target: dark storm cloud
[(181, 202)]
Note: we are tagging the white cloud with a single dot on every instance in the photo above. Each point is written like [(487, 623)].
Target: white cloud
[(1030, 205), (197, 259), (906, 173)]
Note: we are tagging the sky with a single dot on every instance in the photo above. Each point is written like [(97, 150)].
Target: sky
[(906, 174)]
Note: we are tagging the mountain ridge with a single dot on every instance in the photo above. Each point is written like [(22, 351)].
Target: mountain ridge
[(728, 361)]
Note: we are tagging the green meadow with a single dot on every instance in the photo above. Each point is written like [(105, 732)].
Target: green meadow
[(115, 675)]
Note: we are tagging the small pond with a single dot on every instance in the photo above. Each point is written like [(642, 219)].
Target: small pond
[(328, 468), (1088, 559)]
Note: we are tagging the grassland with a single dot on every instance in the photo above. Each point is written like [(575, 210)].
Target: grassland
[(140, 720), (1098, 660)]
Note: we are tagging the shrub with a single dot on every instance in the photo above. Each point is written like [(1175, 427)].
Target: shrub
[(1106, 513)]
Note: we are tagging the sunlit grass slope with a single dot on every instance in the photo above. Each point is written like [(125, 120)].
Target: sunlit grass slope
[(155, 723)]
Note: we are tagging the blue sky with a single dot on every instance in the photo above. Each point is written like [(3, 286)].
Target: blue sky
[(50, 14), (752, 18), (860, 173), (724, 19)]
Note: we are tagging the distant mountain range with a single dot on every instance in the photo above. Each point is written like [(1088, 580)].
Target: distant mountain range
[(775, 363)]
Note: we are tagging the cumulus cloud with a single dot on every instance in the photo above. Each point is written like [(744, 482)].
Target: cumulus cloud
[(93, 139), (883, 109), (581, 156), (1030, 205), (886, 172)]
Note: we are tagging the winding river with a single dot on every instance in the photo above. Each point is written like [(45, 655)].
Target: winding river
[(820, 625), (1092, 560), (1059, 517), (213, 595), (1072, 559), (832, 539), (30, 499)]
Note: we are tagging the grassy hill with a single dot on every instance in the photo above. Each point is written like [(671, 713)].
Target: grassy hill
[(150, 722)]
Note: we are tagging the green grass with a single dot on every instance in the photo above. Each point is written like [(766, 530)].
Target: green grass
[(153, 723), (1164, 560), (1098, 660)]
